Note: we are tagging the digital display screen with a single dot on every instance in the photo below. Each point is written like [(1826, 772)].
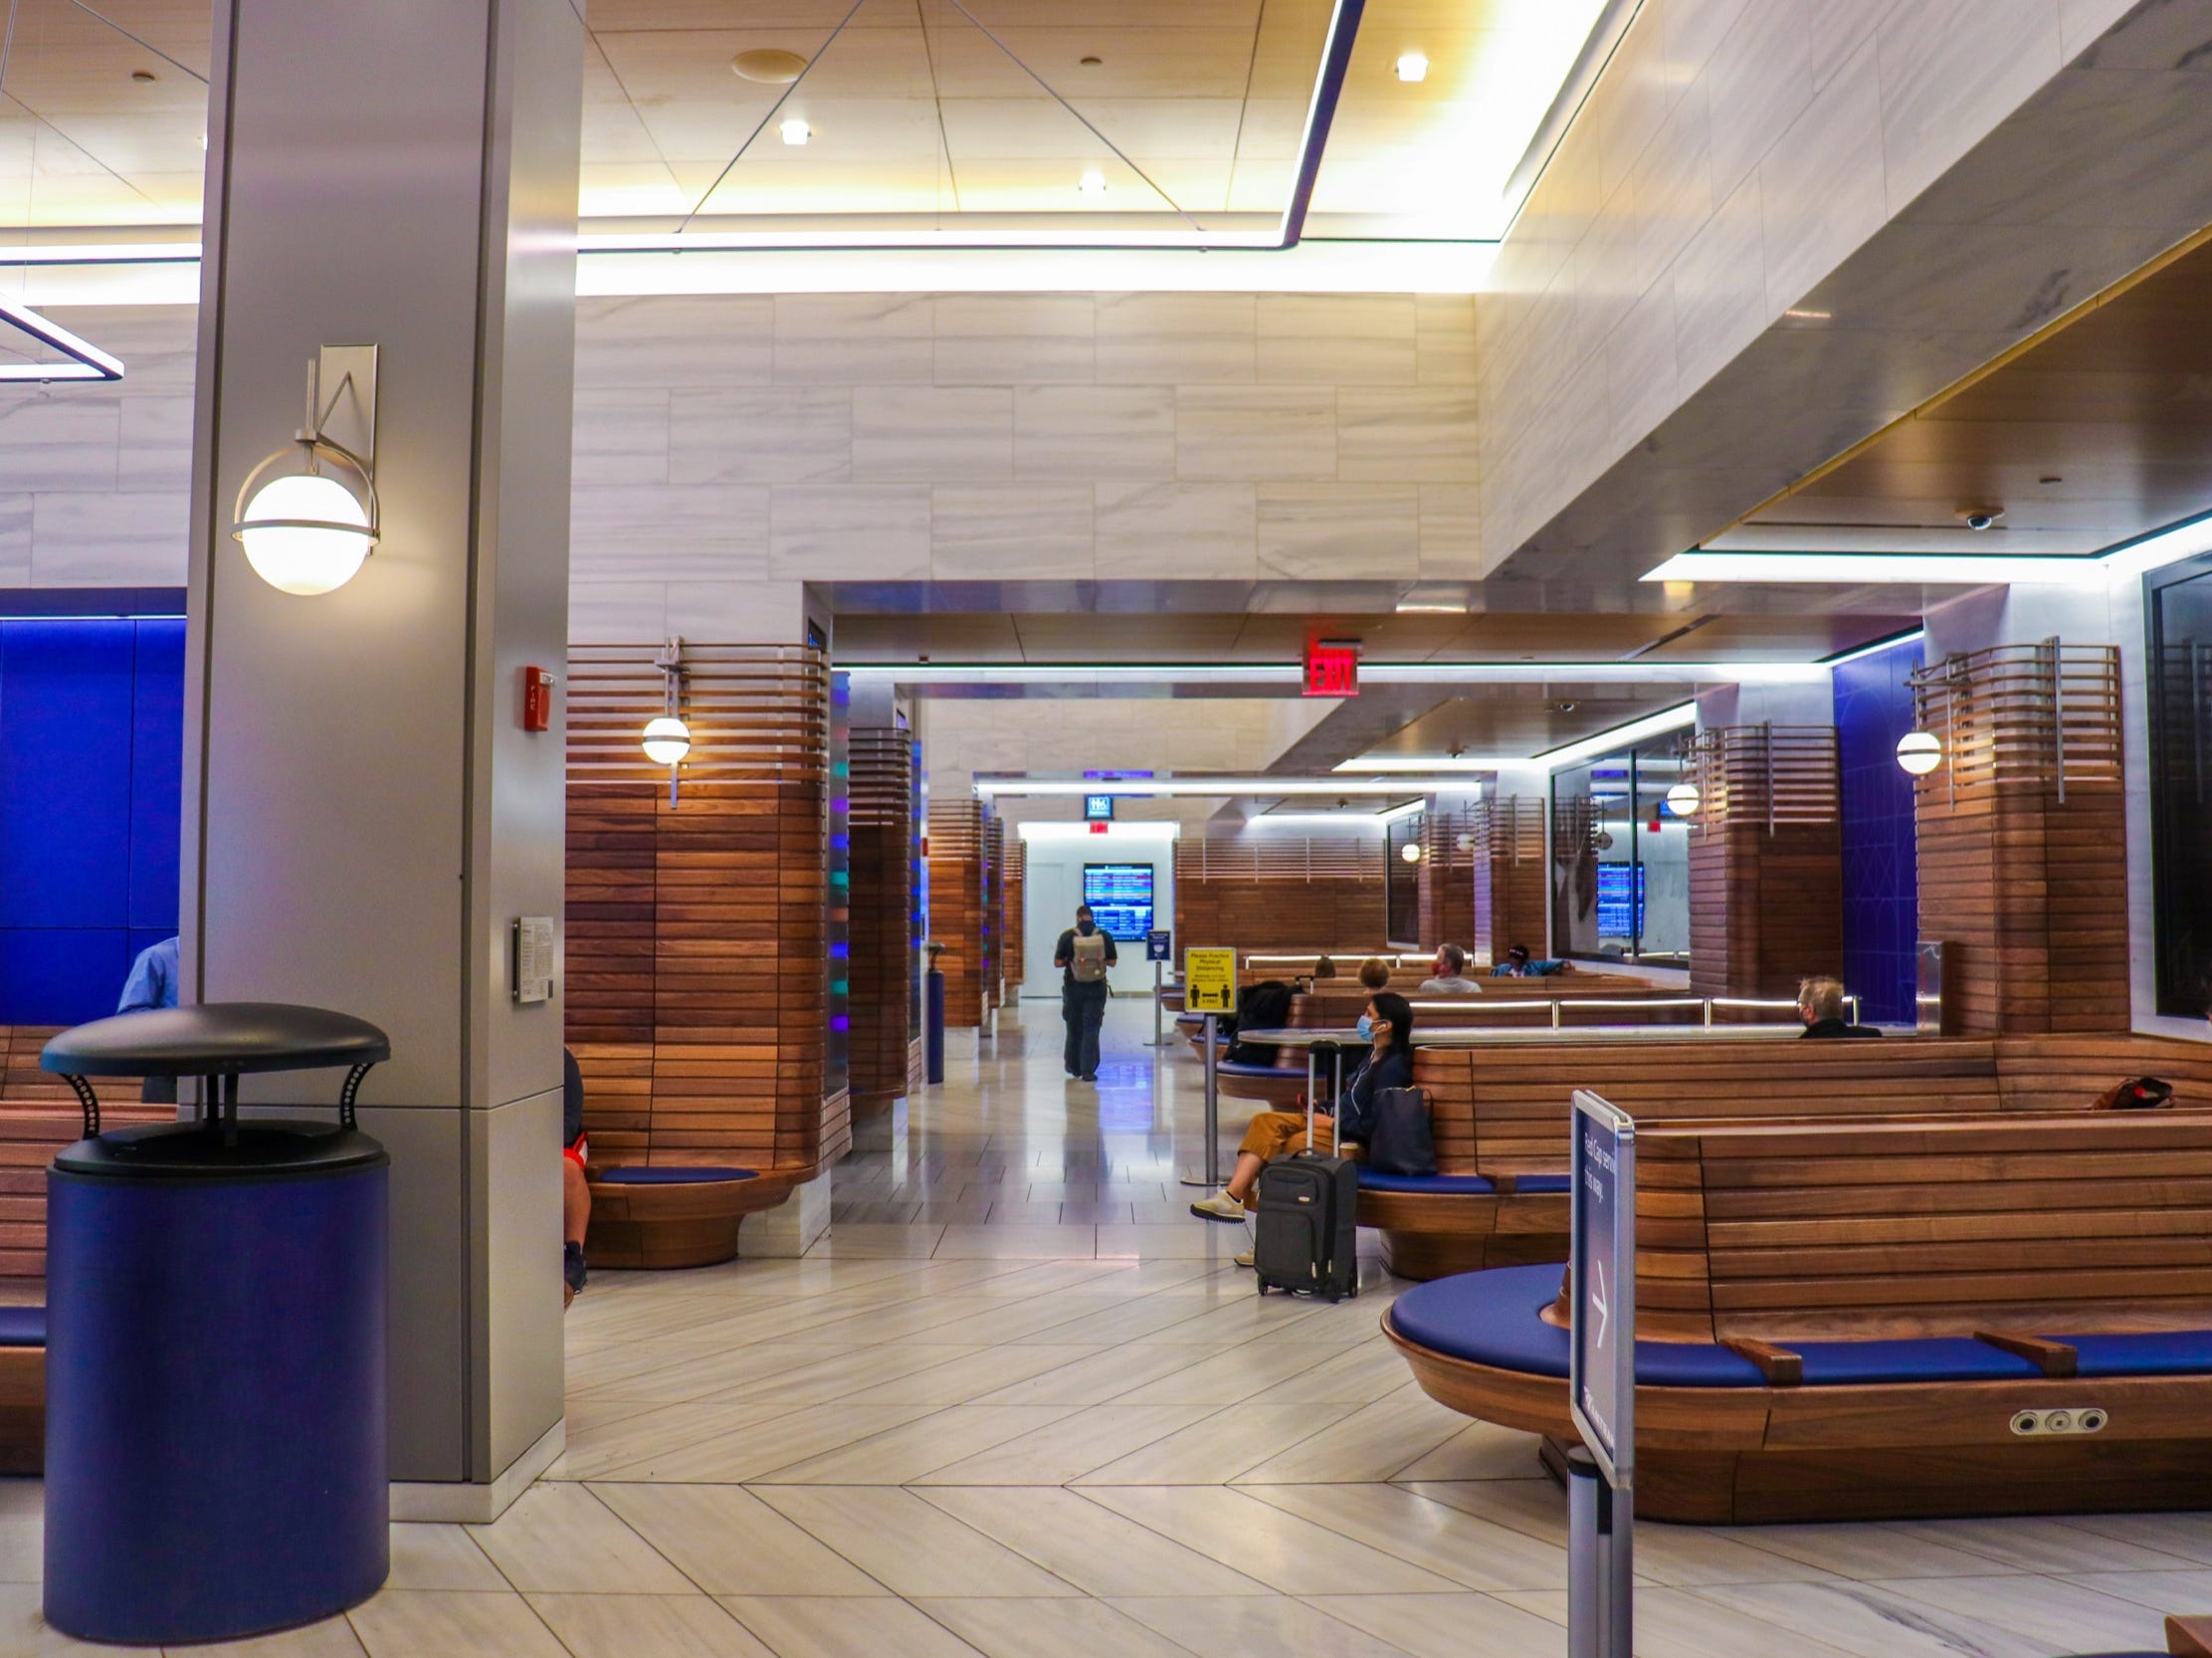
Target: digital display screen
[(1612, 916), (1121, 898), (1097, 808)]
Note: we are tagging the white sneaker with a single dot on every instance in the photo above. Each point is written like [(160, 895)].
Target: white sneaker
[(1220, 1206)]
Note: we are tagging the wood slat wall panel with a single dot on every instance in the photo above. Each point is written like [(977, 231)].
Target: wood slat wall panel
[(1278, 893), (697, 933), (2028, 887), (956, 908), (883, 960), (1510, 878), (994, 912), (39, 1116), (1766, 860), (1447, 877), (1011, 919)]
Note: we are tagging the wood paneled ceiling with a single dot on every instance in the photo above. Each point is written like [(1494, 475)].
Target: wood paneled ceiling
[(915, 113), (2096, 431)]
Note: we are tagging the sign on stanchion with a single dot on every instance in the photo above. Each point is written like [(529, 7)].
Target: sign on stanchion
[(1601, 1382), (1210, 988), (1159, 949)]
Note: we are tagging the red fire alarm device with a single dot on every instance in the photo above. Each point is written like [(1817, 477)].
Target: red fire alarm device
[(537, 699), (1333, 668)]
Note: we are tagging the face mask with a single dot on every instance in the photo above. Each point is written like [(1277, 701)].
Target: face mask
[(1366, 1028), (1086, 928)]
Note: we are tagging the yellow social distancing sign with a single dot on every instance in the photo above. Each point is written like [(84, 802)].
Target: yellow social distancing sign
[(1209, 982)]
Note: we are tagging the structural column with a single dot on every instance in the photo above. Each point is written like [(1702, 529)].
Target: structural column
[(1446, 875), (365, 817), (1510, 876), (958, 917), (1765, 861), (883, 960)]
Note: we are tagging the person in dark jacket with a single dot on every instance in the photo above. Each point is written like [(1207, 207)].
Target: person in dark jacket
[(1388, 1063), (1820, 1003), (575, 1189)]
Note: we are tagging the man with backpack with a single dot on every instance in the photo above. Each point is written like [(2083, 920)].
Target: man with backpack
[(1083, 955)]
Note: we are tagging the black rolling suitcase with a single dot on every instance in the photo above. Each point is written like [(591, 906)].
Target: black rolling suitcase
[(1306, 1235)]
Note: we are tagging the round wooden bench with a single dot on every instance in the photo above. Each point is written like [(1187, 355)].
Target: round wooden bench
[(665, 1216)]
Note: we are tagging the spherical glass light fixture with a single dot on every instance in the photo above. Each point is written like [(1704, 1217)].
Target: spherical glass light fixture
[(666, 739), (1410, 852), (1684, 799), (306, 531), (1920, 752)]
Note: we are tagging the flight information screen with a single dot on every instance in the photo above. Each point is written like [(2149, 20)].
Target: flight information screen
[(1121, 898)]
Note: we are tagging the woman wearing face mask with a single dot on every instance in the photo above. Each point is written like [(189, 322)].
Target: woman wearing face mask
[(1387, 1027)]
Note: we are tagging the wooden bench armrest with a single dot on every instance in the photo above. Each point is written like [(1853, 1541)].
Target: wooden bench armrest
[(1506, 1184), (1780, 1366), (2054, 1358)]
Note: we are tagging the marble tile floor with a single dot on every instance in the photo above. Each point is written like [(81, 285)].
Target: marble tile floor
[(1014, 1434)]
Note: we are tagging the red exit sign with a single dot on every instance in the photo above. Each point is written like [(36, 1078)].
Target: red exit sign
[(1333, 668)]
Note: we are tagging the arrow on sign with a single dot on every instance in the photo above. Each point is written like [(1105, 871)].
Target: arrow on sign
[(1597, 1299)]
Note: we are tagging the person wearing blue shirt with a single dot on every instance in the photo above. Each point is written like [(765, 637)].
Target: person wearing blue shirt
[(153, 980)]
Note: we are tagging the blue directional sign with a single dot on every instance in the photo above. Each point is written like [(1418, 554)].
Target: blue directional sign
[(1601, 1362), (1159, 945)]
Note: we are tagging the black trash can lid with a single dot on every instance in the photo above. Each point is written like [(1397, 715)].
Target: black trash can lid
[(216, 1039), (264, 1148)]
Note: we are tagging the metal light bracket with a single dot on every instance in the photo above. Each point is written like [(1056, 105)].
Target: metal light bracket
[(342, 428)]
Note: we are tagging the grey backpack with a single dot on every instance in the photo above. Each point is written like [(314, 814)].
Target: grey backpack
[(1087, 958)]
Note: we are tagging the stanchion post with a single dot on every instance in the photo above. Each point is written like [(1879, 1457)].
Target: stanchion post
[(1213, 1108), (1158, 985)]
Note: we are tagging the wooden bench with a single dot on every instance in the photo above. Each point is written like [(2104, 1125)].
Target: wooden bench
[(658, 1216), (1845, 1320), (1502, 1114)]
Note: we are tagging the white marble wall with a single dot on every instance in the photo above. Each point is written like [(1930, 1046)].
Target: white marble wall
[(722, 441), (96, 479), (1733, 153)]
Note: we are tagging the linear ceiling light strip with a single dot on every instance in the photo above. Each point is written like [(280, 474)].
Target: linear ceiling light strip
[(1321, 114), (87, 361)]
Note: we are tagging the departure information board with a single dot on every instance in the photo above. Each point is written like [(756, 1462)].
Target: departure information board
[(1121, 898)]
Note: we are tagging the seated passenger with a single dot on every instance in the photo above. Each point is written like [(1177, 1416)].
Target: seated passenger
[(1262, 1007), (1820, 1003), (1374, 975), (1324, 967), (1450, 974), (575, 1189), (1515, 964), (1388, 1063)]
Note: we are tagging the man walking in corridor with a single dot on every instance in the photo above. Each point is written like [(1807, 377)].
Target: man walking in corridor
[(1083, 955)]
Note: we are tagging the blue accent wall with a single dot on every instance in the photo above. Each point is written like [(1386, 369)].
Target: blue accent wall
[(1880, 873), (92, 743)]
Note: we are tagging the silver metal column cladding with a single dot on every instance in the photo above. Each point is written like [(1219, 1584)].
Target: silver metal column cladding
[(365, 816)]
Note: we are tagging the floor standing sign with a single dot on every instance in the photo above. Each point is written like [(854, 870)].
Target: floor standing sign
[(1159, 949), (1601, 1382), (1210, 988)]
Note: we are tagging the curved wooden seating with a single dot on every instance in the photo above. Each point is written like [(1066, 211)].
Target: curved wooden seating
[(1844, 1320), (659, 1217), (22, 1389)]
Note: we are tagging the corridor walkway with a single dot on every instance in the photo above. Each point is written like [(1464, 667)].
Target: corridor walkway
[(1020, 1404)]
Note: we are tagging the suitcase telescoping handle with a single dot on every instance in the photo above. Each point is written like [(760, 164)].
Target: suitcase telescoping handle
[(1335, 1052)]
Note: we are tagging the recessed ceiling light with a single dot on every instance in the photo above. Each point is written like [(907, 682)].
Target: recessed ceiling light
[(1091, 62), (1092, 183), (795, 132), (144, 77), (769, 66), (1413, 65)]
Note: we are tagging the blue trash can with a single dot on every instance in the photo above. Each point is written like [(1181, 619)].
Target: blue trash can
[(216, 1333)]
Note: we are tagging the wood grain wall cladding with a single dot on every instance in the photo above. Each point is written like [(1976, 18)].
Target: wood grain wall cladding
[(956, 908), (1510, 879), (1766, 860), (1261, 890), (2022, 837), (1012, 880), (1447, 876), (994, 912), (882, 964), (695, 988)]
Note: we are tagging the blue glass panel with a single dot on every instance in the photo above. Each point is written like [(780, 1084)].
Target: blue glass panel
[(1881, 874), (65, 775), (60, 975), (156, 776)]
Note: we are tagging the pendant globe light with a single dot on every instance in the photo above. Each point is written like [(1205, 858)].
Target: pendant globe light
[(308, 531), (665, 738)]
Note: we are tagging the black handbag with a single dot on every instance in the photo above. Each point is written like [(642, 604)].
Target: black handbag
[(1399, 1137)]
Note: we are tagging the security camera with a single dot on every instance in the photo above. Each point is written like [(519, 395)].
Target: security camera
[(1981, 518)]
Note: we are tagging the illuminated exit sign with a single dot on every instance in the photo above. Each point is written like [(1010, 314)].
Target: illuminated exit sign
[(1333, 668)]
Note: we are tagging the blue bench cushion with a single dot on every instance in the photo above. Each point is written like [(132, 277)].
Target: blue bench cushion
[(21, 1327), (2174, 1353), (1543, 1182), (1239, 1068), (1494, 1317), (670, 1176), (1920, 1358), (1471, 1185)]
